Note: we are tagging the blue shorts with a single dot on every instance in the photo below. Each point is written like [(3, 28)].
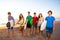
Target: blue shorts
[(34, 25), (10, 28), (49, 30)]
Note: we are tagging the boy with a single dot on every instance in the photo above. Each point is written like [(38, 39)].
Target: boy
[(50, 23), (12, 22), (34, 27), (29, 22)]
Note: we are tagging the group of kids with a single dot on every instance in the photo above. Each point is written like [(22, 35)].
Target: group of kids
[(33, 24)]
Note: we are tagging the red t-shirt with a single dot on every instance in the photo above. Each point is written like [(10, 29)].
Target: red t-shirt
[(35, 20)]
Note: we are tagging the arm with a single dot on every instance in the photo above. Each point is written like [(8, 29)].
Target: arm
[(13, 21), (54, 25)]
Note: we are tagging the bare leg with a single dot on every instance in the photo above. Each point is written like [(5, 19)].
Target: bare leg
[(22, 30), (38, 29), (31, 31), (48, 36), (34, 31)]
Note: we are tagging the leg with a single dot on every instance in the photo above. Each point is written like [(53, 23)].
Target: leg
[(34, 31), (31, 30), (12, 31), (41, 32), (48, 36), (22, 30), (8, 32), (48, 33), (38, 29), (27, 31)]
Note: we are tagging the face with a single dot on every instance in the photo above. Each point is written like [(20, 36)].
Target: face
[(9, 14), (28, 14), (49, 14), (40, 15), (21, 15), (34, 14)]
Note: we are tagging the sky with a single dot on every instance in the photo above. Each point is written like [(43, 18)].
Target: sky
[(23, 6)]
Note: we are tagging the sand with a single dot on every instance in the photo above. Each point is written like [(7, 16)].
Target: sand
[(17, 34)]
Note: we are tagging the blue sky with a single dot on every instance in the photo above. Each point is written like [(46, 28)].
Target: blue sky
[(23, 6)]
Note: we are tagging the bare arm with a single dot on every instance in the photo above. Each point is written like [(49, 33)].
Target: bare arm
[(54, 25)]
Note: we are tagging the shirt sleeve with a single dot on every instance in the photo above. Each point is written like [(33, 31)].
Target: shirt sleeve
[(46, 18), (12, 18), (13, 21), (53, 18)]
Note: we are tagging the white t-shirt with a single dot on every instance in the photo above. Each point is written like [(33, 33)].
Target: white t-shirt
[(12, 23)]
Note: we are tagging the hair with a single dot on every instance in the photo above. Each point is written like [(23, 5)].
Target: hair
[(9, 12), (34, 12), (28, 12), (21, 17), (50, 11), (39, 15)]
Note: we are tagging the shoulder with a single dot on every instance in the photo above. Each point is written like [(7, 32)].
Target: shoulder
[(27, 17), (30, 16), (36, 17), (47, 17), (11, 16), (53, 17)]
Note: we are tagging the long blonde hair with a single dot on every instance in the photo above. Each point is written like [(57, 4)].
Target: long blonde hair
[(21, 17)]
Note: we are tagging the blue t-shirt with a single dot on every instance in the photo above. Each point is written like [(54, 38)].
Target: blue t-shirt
[(50, 21)]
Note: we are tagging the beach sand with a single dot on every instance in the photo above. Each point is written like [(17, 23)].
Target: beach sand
[(17, 35)]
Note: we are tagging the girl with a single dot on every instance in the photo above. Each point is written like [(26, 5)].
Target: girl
[(21, 23), (40, 20)]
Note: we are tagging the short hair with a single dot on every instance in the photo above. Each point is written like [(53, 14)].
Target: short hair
[(50, 11), (9, 12), (34, 12), (28, 11)]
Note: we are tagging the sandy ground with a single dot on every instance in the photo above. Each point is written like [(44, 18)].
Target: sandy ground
[(17, 35)]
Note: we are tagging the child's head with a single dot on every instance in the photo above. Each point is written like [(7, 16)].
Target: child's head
[(9, 13), (34, 13), (20, 16), (49, 12), (28, 13), (40, 15)]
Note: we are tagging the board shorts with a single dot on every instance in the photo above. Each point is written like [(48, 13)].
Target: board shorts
[(29, 25), (49, 30), (10, 28), (34, 25)]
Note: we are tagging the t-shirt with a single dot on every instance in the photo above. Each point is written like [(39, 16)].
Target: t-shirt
[(35, 20), (29, 19), (11, 18), (50, 20)]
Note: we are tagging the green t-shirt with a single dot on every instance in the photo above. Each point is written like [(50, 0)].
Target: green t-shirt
[(29, 19)]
